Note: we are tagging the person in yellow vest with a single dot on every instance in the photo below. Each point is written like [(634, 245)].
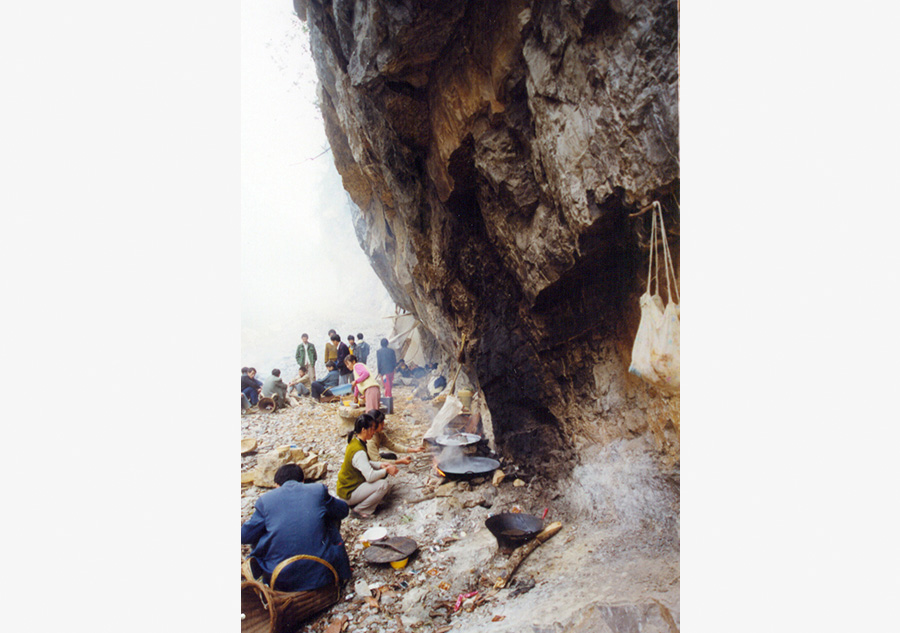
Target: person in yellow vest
[(362, 483), (365, 385)]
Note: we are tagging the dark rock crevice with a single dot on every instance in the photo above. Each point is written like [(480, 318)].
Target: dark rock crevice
[(497, 154)]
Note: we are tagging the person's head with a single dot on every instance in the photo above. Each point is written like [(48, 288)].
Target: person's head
[(359, 336), (364, 428), (288, 472), (251, 372), (350, 361), (384, 342), (378, 416), (245, 370), (331, 332), (303, 370), (330, 365), (276, 372), (304, 337), (350, 339), (335, 338)]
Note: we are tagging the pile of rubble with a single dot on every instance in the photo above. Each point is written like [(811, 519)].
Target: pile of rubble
[(451, 582)]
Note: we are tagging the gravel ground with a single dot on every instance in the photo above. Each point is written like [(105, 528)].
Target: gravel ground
[(592, 574)]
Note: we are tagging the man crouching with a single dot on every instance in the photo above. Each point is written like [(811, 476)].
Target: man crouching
[(293, 519)]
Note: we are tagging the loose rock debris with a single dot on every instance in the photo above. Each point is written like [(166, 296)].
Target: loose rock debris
[(449, 580)]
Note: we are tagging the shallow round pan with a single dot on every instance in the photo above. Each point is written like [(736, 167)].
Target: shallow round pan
[(458, 439), (467, 465)]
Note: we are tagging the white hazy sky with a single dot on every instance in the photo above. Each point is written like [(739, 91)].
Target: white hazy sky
[(302, 269)]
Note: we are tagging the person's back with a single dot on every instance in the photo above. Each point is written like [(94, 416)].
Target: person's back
[(387, 360), (295, 519), (274, 385)]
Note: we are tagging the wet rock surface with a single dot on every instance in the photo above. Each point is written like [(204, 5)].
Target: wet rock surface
[(611, 571)]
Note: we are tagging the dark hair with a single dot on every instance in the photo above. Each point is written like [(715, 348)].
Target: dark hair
[(330, 364), (288, 472), (384, 342), (359, 335), (377, 415), (245, 370), (251, 369), (350, 357), (365, 421), (330, 332), (335, 337), (304, 335), (351, 338), (303, 367), (276, 372)]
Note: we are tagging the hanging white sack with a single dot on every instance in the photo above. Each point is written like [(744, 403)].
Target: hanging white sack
[(656, 355)]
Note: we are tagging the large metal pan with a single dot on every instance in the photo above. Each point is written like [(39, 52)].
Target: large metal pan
[(457, 439), (468, 466)]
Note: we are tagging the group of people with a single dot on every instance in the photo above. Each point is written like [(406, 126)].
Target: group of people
[(346, 364), (272, 387), (299, 518)]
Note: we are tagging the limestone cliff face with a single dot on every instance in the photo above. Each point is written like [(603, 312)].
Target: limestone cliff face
[(496, 152)]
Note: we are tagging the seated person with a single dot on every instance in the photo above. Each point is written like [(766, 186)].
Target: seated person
[(363, 483), (381, 442), (301, 383), (297, 518), (250, 385), (275, 388), (329, 380)]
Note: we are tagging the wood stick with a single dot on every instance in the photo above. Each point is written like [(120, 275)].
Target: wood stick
[(522, 553)]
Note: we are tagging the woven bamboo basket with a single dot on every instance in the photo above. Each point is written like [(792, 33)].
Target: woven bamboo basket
[(266, 610)]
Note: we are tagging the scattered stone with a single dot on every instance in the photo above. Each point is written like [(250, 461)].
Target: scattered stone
[(247, 477), (518, 483), (362, 588), (248, 445), (269, 463), (499, 475), (445, 490)]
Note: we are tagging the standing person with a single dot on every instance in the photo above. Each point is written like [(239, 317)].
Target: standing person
[(364, 384), (330, 348), (362, 349), (363, 483), (387, 362), (342, 352), (275, 388), (294, 519), (351, 344), (250, 385), (306, 355), (330, 380)]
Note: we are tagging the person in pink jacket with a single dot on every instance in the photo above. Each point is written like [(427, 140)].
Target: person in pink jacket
[(364, 383)]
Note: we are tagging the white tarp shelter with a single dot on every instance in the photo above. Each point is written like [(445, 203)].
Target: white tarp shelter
[(406, 340)]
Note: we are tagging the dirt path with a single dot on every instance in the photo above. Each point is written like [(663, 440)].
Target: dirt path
[(592, 576)]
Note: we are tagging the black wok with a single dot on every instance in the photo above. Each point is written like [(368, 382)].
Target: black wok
[(466, 466), (512, 529)]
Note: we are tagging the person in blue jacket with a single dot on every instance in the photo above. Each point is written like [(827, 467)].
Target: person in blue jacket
[(298, 518), (318, 387)]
